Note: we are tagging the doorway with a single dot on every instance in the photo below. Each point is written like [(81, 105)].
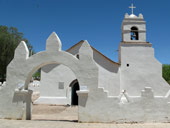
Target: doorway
[(74, 96)]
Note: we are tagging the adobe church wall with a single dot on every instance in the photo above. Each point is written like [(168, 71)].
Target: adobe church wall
[(55, 81), (135, 109), (140, 69), (108, 75), (52, 78)]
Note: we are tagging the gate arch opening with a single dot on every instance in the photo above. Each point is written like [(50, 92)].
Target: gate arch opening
[(74, 88)]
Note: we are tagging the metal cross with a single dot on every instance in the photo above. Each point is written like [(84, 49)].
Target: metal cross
[(132, 7)]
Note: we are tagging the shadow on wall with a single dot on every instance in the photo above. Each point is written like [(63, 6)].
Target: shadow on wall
[(111, 67), (49, 67)]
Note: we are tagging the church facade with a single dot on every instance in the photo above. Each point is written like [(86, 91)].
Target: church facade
[(137, 68), (63, 81), (131, 90), (143, 95)]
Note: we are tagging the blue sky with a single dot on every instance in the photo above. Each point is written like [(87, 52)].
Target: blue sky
[(97, 21)]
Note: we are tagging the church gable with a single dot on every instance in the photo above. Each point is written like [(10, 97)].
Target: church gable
[(99, 58)]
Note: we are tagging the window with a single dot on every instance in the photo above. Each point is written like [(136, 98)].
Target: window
[(61, 85), (77, 56), (127, 65), (134, 33)]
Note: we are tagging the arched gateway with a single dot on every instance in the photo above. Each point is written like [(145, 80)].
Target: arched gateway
[(16, 98)]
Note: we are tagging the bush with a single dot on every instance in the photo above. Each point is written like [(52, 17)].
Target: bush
[(166, 72)]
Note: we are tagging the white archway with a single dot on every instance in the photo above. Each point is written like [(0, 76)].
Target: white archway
[(21, 68)]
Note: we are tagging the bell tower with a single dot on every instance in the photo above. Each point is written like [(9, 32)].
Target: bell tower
[(139, 67), (133, 28)]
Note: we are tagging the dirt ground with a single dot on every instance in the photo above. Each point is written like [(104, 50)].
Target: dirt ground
[(55, 112), (52, 116)]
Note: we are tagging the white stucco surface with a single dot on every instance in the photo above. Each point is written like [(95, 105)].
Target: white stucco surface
[(55, 84), (143, 108), (109, 77), (143, 70), (65, 76)]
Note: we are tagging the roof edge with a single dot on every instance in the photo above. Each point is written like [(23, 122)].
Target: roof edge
[(94, 50)]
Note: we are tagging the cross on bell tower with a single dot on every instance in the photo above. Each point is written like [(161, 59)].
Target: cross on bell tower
[(132, 7)]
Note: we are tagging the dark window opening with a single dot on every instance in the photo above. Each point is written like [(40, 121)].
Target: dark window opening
[(134, 33), (77, 56), (127, 65)]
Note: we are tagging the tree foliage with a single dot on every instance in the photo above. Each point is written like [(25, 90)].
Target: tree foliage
[(37, 75), (166, 72), (9, 40)]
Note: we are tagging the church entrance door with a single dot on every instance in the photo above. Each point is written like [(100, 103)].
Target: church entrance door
[(74, 96)]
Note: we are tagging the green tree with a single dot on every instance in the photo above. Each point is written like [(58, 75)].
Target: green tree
[(37, 75), (9, 40), (166, 72)]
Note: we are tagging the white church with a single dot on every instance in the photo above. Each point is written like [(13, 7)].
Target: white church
[(131, 90), (137, 68)]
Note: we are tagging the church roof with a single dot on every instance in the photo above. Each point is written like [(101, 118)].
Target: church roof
[(93, 50)]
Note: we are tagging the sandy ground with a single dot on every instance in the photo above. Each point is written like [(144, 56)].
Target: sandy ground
[(54, 112), (52, 116)]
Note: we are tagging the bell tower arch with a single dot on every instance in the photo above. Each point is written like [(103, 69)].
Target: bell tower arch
[(134, 33)]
